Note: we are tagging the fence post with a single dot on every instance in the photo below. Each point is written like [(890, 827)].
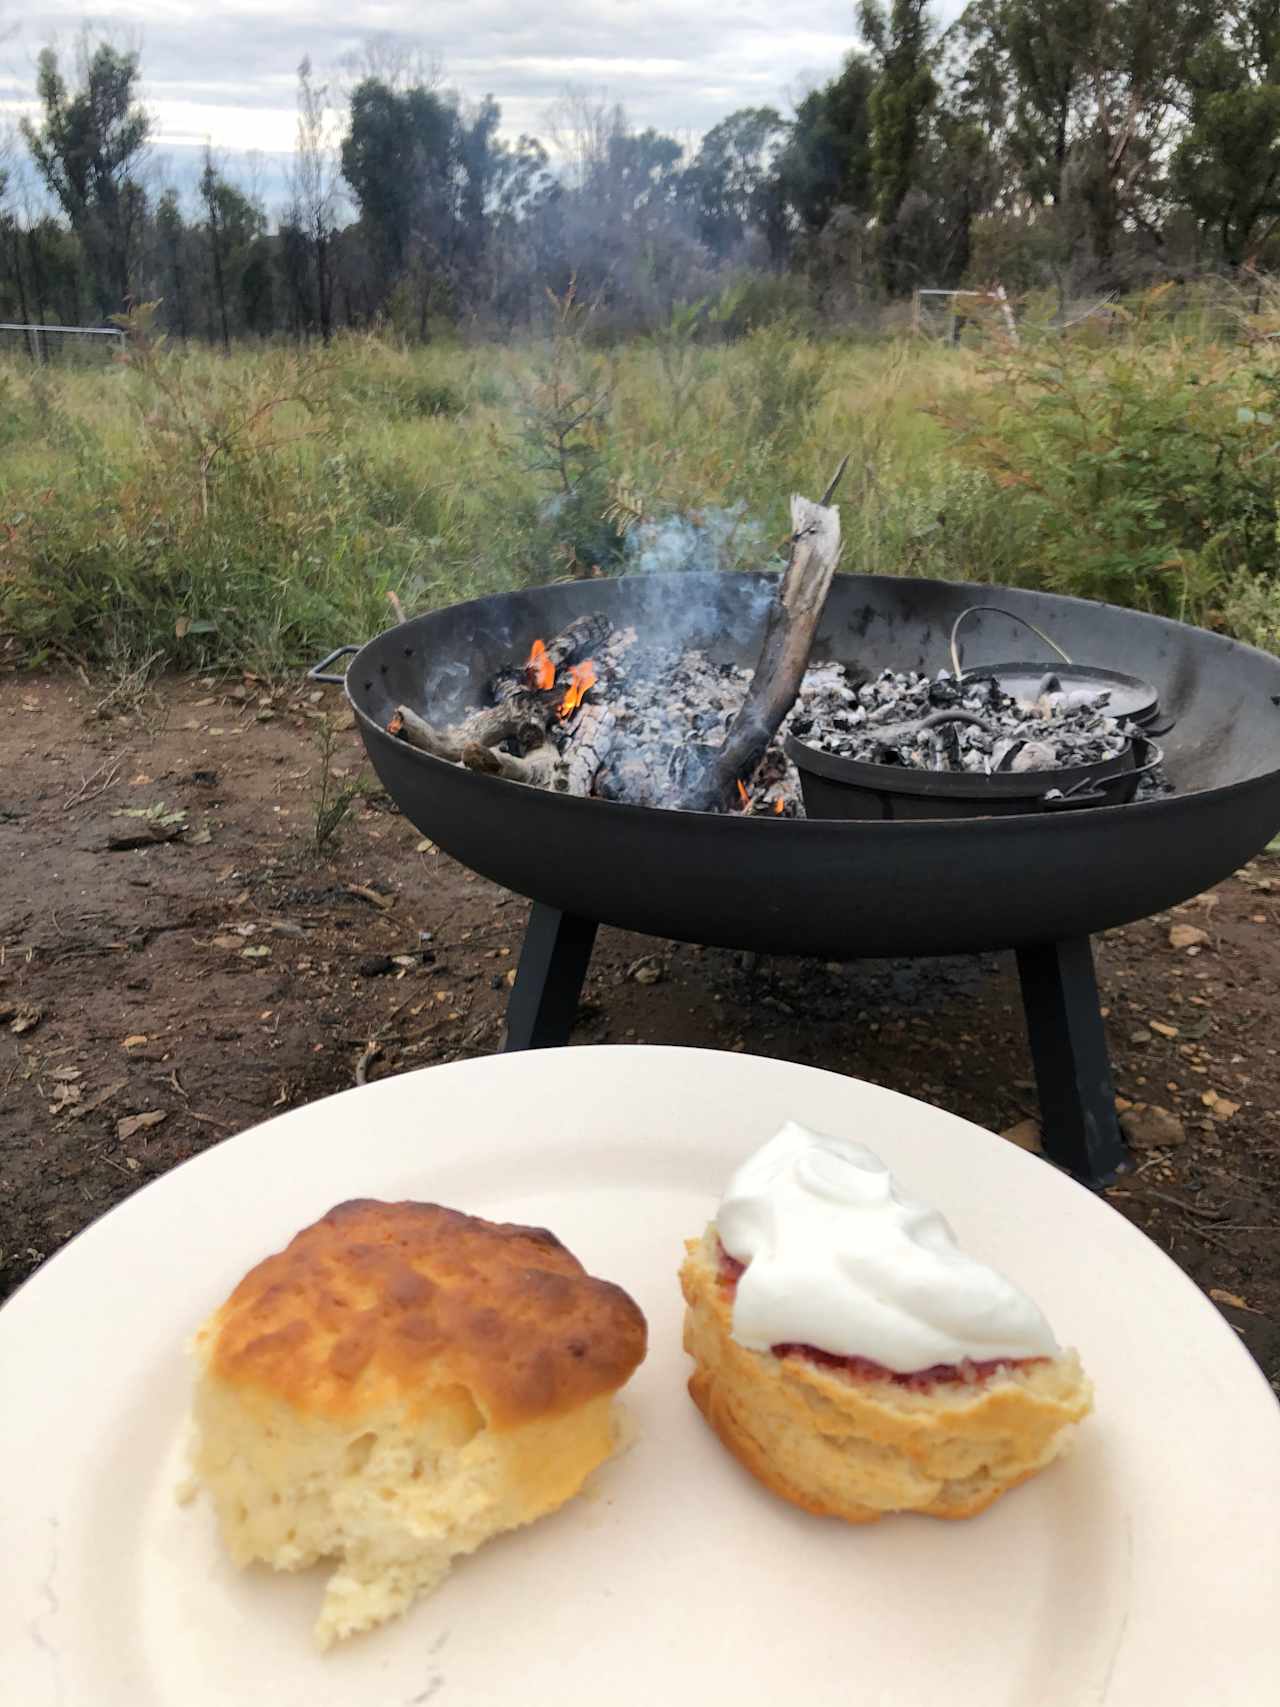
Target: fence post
[(1002, 297)]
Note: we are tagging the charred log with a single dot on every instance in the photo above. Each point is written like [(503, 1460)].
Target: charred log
[(521, 714), (538, 768), (788, 640)]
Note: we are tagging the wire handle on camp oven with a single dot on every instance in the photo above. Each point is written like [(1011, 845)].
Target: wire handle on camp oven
[(996, 610)]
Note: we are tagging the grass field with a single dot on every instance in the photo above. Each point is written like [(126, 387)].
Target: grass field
[(186, 508)]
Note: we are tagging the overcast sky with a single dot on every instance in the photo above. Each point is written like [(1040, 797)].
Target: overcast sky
[(228, 76)]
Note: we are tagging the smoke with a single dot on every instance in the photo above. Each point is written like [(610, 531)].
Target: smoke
[(706, 540)]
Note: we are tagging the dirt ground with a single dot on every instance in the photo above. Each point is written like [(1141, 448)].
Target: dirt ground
[(178, 962)]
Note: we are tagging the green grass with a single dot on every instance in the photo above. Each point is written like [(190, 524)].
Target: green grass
[(258, 509)]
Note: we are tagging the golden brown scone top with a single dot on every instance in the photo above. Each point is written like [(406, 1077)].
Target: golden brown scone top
[(380, 1303)]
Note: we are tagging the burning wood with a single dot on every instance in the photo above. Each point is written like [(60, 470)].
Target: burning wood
[(572, 717), (582, 678), (540, 671)]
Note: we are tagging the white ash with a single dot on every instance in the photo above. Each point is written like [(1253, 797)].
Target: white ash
[(945, 723), (659, 701)]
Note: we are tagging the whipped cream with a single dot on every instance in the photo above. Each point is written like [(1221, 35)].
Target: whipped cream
[(839, 1259)]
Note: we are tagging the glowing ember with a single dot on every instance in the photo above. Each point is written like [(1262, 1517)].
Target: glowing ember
[(581, 678), (744, 797), (779, 807), (540, 671)]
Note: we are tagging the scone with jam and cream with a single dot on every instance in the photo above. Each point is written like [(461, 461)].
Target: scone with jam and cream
[(853, 1357)]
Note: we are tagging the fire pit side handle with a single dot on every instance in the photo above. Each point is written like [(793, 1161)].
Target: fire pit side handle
[(321, 672)]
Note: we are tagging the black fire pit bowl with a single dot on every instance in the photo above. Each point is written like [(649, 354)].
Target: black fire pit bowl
[(838, 888), (836, 787)]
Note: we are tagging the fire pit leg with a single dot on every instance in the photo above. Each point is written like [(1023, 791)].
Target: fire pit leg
[(553, 963), (1069, 1049)]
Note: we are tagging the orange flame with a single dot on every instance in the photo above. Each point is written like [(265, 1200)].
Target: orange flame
[(779, 807), (539, 669), (582, 677), (744, 797)]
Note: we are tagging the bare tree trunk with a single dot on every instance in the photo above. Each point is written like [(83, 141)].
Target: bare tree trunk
[(219, 283)]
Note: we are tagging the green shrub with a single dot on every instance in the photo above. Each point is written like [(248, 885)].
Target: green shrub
[(1145, 474), (1251, 610)]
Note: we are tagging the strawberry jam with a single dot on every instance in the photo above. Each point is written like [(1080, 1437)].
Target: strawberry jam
[(966, 1373)]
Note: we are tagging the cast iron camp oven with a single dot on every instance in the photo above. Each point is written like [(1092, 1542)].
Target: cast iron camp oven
[(1037, 883), (836, 787)]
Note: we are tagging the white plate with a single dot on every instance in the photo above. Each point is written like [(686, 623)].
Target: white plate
[(1142, 1569)]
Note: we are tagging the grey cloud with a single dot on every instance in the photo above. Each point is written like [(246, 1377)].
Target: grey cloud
[(678, 67), (521, 54)]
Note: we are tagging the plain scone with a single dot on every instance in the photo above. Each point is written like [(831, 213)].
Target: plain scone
[(858, 1447), (396, 1386)]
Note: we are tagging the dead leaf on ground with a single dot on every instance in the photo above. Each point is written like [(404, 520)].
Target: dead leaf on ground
[(1163, 1030), (1233, 1299), (133, 1123), (228, 942), (27, 1018), (97, 1100), (135, 1040)]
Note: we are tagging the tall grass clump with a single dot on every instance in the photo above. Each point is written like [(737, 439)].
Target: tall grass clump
[(184, 507)]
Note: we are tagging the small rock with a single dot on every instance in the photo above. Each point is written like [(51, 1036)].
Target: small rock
[(1163, 1030), (1187, 936), (1026, 1135), (1142, 1035), (376, 966), (1147, 1126), (1220, 1107)]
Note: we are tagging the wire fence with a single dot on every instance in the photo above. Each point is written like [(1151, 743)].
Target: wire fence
[(1222, 313), (60, 344)]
